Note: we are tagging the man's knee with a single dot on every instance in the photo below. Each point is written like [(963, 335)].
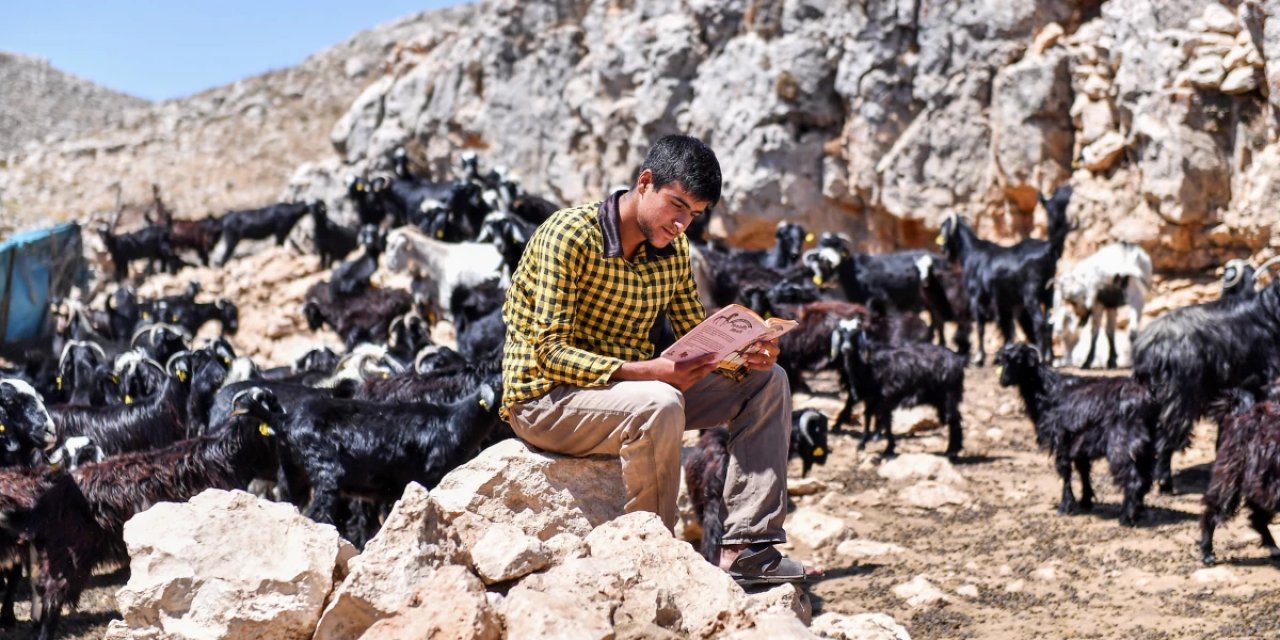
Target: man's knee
[(657, 398)]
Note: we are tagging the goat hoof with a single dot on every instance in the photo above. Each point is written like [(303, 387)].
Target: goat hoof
[(888, 455), (1128, 521), (862, 446), (1209, 559), (1166, 489), (1067, 508)]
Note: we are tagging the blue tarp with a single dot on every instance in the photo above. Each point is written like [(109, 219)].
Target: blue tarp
[(36, 266)]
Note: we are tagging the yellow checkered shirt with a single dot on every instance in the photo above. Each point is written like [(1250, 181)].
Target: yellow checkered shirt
[(575, 313)]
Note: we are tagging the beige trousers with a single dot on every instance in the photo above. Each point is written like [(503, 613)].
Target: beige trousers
[(642, 422)]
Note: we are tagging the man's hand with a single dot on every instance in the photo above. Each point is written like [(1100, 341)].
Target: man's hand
[(679, 375), (763, 356)]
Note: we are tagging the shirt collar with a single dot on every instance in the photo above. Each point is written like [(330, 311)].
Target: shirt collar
[(611, 228)]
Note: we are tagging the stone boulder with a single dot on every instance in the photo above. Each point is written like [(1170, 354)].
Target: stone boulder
[(412, 544), (541, 494), (637, 577), (865, 626), (228, 565), (911, 467), (450, 603), (1031, 142)]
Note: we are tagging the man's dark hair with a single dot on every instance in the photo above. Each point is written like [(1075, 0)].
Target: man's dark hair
[(687, 161)]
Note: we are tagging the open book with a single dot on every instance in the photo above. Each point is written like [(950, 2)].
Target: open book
[(730, 333)]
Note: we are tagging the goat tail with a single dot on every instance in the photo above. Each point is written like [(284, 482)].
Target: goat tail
[(705, 472)]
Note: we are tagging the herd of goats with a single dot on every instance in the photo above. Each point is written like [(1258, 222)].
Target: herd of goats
[(134, 411)]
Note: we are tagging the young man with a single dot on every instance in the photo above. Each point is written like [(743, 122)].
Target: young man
[(579, 372)]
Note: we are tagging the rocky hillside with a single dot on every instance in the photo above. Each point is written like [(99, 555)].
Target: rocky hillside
[(42, 105), (878, 119), (232, 146)]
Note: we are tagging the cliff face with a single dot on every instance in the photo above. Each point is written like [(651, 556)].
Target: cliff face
[(878, 119)]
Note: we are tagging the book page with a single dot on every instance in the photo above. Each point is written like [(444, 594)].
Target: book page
[(723, 333), (774, 329)]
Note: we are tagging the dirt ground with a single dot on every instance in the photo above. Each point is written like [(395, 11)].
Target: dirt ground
[(1009, 565)]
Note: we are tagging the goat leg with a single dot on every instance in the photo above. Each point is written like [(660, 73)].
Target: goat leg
[(1093, 340), (1083, 467), (868, 415), (955, 435), (980, 320), (884, 422), (1164, 471), (11, 576), (1260, 520), (1068, 503), (1111, 338), (1207, 524)]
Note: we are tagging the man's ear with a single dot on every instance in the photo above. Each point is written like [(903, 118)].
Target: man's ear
[(644, 181)]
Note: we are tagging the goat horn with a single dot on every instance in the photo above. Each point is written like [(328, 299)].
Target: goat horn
[(1267, 264)]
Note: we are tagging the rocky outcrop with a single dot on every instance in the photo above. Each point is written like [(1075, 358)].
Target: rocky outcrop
[(227, 565), (513, 544)]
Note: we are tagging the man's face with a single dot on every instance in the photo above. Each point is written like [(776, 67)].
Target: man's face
[(665, 213)]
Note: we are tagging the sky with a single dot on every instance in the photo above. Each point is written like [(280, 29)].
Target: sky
[(171, 49)]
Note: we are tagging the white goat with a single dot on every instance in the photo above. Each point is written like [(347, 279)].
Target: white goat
[(1118, 275), (445, 264)]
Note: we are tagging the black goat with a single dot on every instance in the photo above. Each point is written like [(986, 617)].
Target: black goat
[(76, 381), (1080, 419), (78, 523), (807, 347), (1247, 468), (258, 224), (373, 450), (1190, 355), (351, 278), (889, 377), (26, 429), (366, 317), (150, 243), (898, 282), (1010, 283), (333, 241), (148, 423), (808, 438), (366, 194)]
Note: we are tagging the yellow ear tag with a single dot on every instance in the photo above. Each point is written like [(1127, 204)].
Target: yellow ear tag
[(817, 451), (808, 237), (264, 429), (128, 399), (941, 241), (817, 280), (999, 369), (146, 316), (359, 187), (115, 379), (58, 381), (1, 428), (484, 405), (182, 375), (440, 234)]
